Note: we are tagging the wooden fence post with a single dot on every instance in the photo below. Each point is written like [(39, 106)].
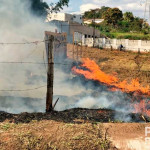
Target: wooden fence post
[(50, 74)]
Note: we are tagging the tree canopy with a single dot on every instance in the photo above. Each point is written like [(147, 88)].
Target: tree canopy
[(116, 21), (41, 8), (112, 16), (97, 13), (128, 16)]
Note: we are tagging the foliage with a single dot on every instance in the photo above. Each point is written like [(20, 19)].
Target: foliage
[(41, 8), (127, 35), (97, 13), (59, 5), (117, 22), (128, 16), (38, 7), (112, 16)]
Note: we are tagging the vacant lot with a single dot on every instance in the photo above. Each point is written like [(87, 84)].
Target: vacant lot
[(124, 65)]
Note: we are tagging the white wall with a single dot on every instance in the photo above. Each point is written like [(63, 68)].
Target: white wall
[(65, 17), (56, 16), (133, 45)]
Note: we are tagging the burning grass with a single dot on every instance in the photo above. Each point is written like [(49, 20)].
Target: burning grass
[(95, 73), (125, 64), (91, 71)]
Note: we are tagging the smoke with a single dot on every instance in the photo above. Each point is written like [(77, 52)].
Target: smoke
[(17, 25)]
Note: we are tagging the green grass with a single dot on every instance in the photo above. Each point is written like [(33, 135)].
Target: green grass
[(128, 35)]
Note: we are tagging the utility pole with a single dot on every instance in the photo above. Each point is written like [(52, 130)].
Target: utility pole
[(50, 73), (94, 31), (73, 45), (94, 26), (147, 11)]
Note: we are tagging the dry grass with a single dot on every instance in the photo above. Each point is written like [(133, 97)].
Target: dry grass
[(126, 65)]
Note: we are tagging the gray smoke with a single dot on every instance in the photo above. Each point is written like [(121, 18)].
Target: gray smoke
[(18, 25)]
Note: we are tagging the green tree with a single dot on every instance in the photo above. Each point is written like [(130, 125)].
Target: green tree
[(112, 16), (123, 26), (97, 13), (41, 8), (59, 5), (128, 16), (137, 24)]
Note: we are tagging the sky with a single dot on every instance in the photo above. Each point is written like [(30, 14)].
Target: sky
[(135, 6)]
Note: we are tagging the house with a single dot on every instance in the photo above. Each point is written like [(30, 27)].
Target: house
[(90, 21), (65, 17), (75, 32), (72, 24)]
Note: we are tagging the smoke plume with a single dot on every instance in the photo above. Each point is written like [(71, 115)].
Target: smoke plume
[(17, 25)]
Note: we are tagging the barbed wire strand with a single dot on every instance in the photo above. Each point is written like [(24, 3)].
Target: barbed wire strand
[(32, 42), (24, 89)]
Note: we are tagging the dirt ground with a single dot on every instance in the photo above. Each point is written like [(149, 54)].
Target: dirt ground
[(58, 135), (125, 65), (74, 129)]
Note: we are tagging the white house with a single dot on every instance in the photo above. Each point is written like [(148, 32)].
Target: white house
[(89, 21), (65, 17)]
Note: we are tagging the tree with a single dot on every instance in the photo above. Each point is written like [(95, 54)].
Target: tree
[(112, 16), (97, 13), (128, 16), (59, 5), (41, 8), (137, 24)]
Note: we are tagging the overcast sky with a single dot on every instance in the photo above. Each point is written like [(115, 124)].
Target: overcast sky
[(136, 6)]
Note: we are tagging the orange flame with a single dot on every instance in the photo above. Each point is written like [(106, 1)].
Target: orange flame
[(94, 73)]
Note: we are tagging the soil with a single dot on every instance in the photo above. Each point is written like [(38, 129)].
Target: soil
[(68, 130)]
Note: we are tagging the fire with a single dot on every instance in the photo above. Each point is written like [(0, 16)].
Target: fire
[(94, 72)]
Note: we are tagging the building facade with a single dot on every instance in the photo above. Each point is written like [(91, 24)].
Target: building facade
[(65, 17), (76, 32)]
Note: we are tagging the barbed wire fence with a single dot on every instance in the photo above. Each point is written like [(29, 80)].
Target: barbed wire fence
[(36, 43), (79, 52), (78, 49)]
